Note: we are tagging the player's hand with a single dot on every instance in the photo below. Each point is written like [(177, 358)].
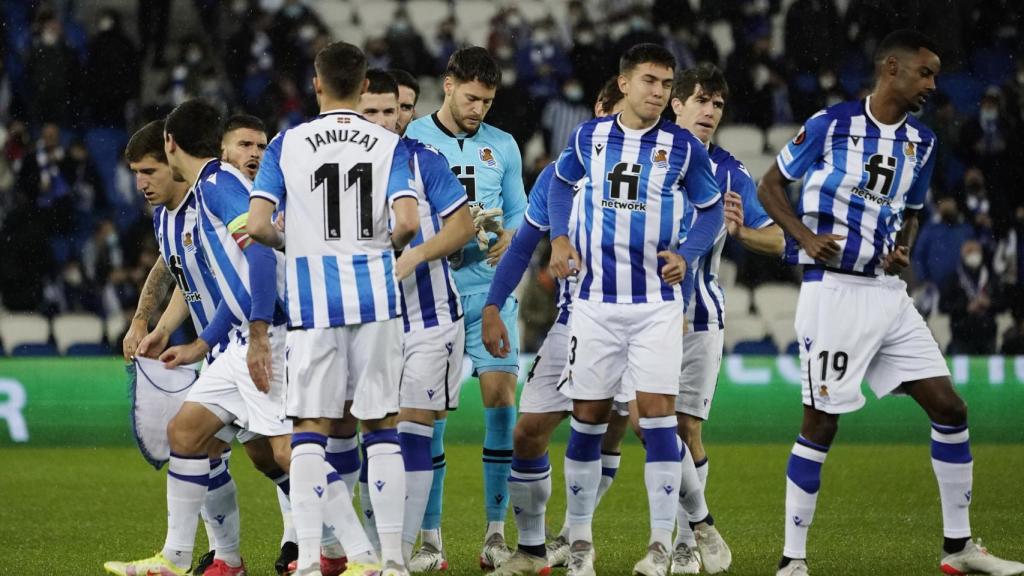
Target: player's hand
[(822, 247), (407, 263), (152, 344), (674, 269), (499, 248), (258, 357), (733, 213), (494, 333), (279, 222), (185, 354), (565, 259), (137, 330), (896, 260)]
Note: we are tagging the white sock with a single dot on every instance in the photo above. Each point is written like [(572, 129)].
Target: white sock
[(494, 527), (691, 490), (343, 455), (187, 479), (529, 487), (386, 477), (221, 505), (288, 527), (432, 537), (702, 471), (368, 516), (609, 467), (684, 534), (803, 481), (582, 477), (954, 470), (308, 494), (341, 519), (419, 474), (662, 471)]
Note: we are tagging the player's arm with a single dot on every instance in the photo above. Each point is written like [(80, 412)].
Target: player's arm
[(403, 200), (154, 291), (507, 276), (174, 315), (268, 191), (569, 169), (791, 164), (746, 220), (513, 202), (899, 257), (702, 190)]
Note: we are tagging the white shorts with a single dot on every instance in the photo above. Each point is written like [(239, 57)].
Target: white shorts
[(432, 375), (328, 367), (541, 393), (702, 359), (852, 329), (648, 335), (226, 389)]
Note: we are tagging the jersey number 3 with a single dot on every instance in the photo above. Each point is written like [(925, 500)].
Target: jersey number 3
[(359, 176)]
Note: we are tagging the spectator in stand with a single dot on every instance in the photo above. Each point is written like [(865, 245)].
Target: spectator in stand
[(978, 208), (989, 141), (406, 47), (812, 28), (543, 65), (112, 72), (70, 292), (562, 115), (52, 68), (936, 251), (154, 16), (942, 118), (103, 265), (971, 298), (1013, 338), (446, 41), (589, 58), (511, 110)]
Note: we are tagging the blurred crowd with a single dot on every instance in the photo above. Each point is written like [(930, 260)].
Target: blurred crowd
[(73, 230)]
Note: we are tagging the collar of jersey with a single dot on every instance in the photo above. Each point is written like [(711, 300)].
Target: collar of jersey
[(345, 111), (877, 122), (442, 128), (211, 165), (631, 132), (182, 204)]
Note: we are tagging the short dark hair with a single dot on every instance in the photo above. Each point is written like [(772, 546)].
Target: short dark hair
[(243, 120), (405, 79), (196, 128), (474, 63), (644, 53), (381, 82), (708, 76), (147, 141), (341, 68), (904, 39), (610, 95)]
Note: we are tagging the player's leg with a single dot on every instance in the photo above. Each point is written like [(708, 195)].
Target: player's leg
[(261, 453), (431, 383), (498, 390), (219, 452), (188, 478), (375, 350), (953, 465)]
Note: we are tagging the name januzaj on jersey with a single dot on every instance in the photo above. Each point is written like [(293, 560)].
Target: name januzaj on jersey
[(337, 135)]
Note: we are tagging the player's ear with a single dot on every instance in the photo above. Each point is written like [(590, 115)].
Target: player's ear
[(892, 65), (623, 81), (677, 107), (449, 86), (366, 86)]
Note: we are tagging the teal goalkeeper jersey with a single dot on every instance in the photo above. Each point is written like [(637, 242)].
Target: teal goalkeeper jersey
[(488, 164)]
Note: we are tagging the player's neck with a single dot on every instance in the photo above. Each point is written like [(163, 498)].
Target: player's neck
[(634, 122), (191, 167), (884, 108), (444, 115), (329, 104), (177, 196)]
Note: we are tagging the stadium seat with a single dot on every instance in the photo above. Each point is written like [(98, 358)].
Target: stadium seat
[(793, 349), (776, 300), (780, 134), (115, 326), (939, 325), (742, 140), (742, 329), (83, 332), (782, 332), (25, 334), (757, 164), (727, 274), (737, 302), (756, 347)]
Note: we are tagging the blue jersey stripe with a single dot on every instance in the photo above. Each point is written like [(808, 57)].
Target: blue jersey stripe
[(305, 291), (453, 298), (389, 280), (425, 290), (609, 285), (638, 224), (332, 284), (364, 287)]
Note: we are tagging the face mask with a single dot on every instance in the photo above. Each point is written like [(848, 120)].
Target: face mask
[(827, 81), (194, 55), (638, 23), (49, 38), (400, 26), (1020, 77), (307, 33), (73, 276), (508, 77), (514, 21), (585, 38), (573, 93), (504, 52), (106, 23), (989, 114), (973, 260), (239, 7), (541, 37), (292, 10)]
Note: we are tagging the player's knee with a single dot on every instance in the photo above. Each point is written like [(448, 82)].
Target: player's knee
[(689, 429), (954, 411), (527, 440), (183, 439)]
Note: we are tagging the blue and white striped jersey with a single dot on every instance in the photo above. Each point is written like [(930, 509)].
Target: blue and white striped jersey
[(339, 174), (858, 176), (177, 235), (537, 216), (222, 197), (489, 166), (631, 206), (429, 296), (707, 311)]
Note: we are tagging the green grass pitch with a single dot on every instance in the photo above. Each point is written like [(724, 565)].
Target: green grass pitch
[(66, 511)]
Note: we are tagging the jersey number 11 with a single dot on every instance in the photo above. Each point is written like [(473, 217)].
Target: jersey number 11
[(361, 177)]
